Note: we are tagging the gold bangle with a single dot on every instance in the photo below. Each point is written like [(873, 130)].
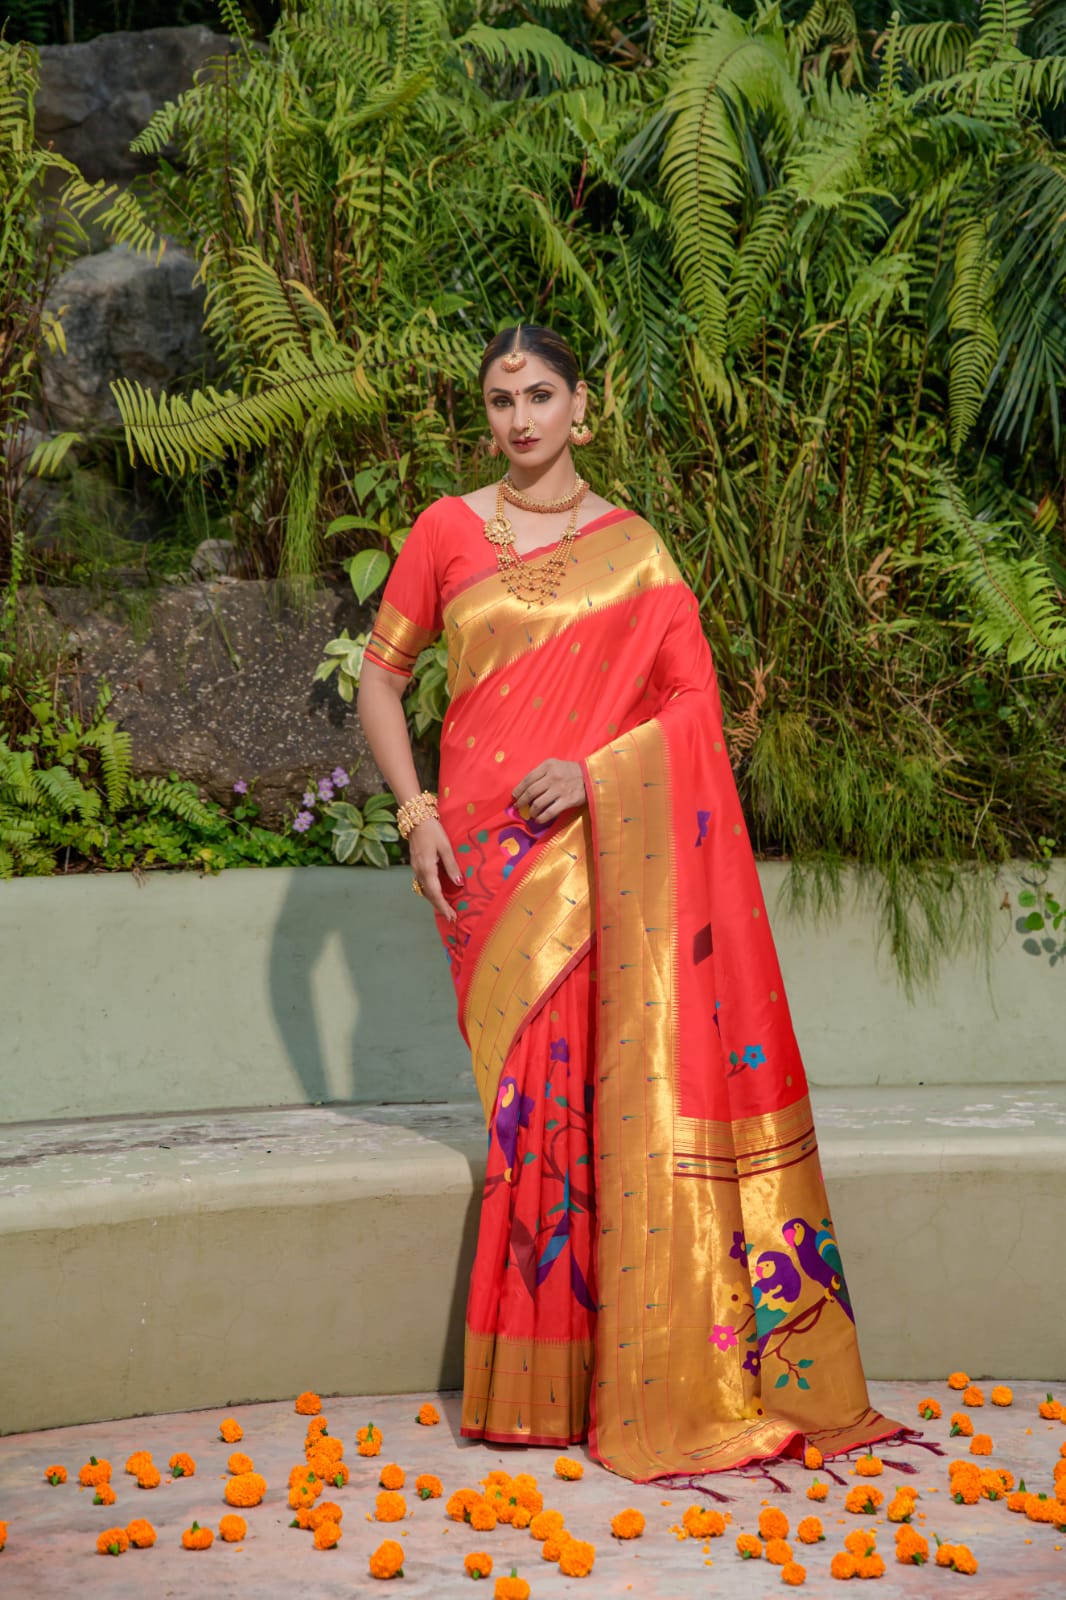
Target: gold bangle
[(412, 812)]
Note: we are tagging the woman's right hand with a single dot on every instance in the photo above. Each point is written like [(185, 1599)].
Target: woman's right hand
[(431, 849)]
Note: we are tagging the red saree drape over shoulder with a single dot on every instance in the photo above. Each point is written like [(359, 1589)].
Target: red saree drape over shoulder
[(656, 1262)]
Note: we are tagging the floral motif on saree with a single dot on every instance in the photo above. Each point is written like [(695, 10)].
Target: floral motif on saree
[(672, 1270)]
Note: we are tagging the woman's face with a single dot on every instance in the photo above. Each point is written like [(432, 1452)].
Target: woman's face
[(530, 411)]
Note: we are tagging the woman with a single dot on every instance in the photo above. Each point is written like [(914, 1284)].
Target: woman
[(656, 1267)]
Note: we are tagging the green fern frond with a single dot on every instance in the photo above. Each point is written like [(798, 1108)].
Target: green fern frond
[(935, 49), (177, 432), (973, 353), (176, 797), (115, 748), (48, 456), (67, 794), (532, 47), (116, 210)]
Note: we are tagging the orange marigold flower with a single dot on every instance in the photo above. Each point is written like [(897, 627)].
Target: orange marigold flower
[(576, 1558), (112, 1542), (149, 1477), (512, 1588), (497, 1479), (773, 1524), (482, 1517), (778, 1552), (864, 1500), (3, 1534), (553, 1546), (960, 1423), (308, 1404), (320, 1466), (843, 1565), (239, 1462), (182, 1466), (327, 1511), (522, 1517), (813, 1458), (862, 1542), (973, 1396), (389, 1507), (627, 1525), (957, 1556), (392, 1476), (524, 1488), (981, 1444), (428, 1415), (869, 1466), (545, 1523), (461, 1503), (140, 1533), (245, 1489), (300, 1473), (871, 1566), (427, 1487), (911, 1548), (317, 1425), (966, 1491), (230, 1431), (793, 1573), (304, 1494), (387, 1560), (817, 1491), (748, 1547), (700, 1523), (809, 1530), (327, 1535), (1050, 1408), (900, 1507), (232, 1528), (94, 1472), (1059, 1470), (566, 1467), (478, 1564), (323, 1449), (1001, 1395), (54, 1475), (1039, 1508), (929, 1409), (958, 1380), (197, 1538), (105, 1495)]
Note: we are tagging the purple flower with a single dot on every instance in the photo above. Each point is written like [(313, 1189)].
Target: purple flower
[(752, 1363), (240, 787), (724, 1335), (339, 777), (325, 789), (310, 797), (739, 1251), (302, 821)]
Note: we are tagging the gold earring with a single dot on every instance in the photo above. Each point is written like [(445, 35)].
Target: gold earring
[(494, 448), (580, 434)]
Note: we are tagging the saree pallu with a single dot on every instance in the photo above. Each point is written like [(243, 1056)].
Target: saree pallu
[(656, 1258)]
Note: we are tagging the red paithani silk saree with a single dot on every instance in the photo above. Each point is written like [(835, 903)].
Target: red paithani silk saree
[(656, 1264)]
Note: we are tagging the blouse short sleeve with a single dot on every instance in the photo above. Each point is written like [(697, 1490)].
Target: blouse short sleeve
[(409, 617)]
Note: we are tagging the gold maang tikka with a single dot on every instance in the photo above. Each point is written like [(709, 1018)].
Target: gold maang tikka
[(515, 361)]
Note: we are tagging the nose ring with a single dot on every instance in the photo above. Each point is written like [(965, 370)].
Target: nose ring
[(527, 431)]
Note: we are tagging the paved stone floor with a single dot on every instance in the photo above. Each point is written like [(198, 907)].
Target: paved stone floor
[(51, 1539)]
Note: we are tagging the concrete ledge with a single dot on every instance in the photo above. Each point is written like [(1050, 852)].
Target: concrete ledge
[(328, 985), (166, 1263)]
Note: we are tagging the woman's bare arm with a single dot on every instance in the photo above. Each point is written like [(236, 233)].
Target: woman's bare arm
[(380, 707)]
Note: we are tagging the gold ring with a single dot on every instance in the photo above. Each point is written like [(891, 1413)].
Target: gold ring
[(416, 887)]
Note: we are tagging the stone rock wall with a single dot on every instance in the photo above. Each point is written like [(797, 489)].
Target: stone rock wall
[(217, 685), (124, 315), (96, 97)]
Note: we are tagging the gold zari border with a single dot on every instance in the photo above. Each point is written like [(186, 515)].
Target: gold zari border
[(396, 641), (524, 1388), (544, 927)]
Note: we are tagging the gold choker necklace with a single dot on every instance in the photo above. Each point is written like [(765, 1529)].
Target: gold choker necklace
[(533, 582), (518, 497)]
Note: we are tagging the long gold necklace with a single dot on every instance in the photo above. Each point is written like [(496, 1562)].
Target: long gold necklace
[(535, 582)]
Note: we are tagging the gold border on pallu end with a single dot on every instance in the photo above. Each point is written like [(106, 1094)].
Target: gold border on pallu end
[(527, 1386), (750, 1145), (493, 628), (545, 926), (396, 640), (633, 1406)]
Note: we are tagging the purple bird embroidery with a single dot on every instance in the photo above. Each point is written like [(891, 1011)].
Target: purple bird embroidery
[(513, 1111), (819, 1259)]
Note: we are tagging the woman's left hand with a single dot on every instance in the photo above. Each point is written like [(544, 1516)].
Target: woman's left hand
[(551, 788)]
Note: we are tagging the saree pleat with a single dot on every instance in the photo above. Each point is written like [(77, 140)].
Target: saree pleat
[(531, 1310), (656, 1258)]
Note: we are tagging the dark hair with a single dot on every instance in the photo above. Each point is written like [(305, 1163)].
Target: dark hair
[(552, 349)]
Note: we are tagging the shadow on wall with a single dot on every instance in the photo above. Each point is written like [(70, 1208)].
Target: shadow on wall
[(360, 994)]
